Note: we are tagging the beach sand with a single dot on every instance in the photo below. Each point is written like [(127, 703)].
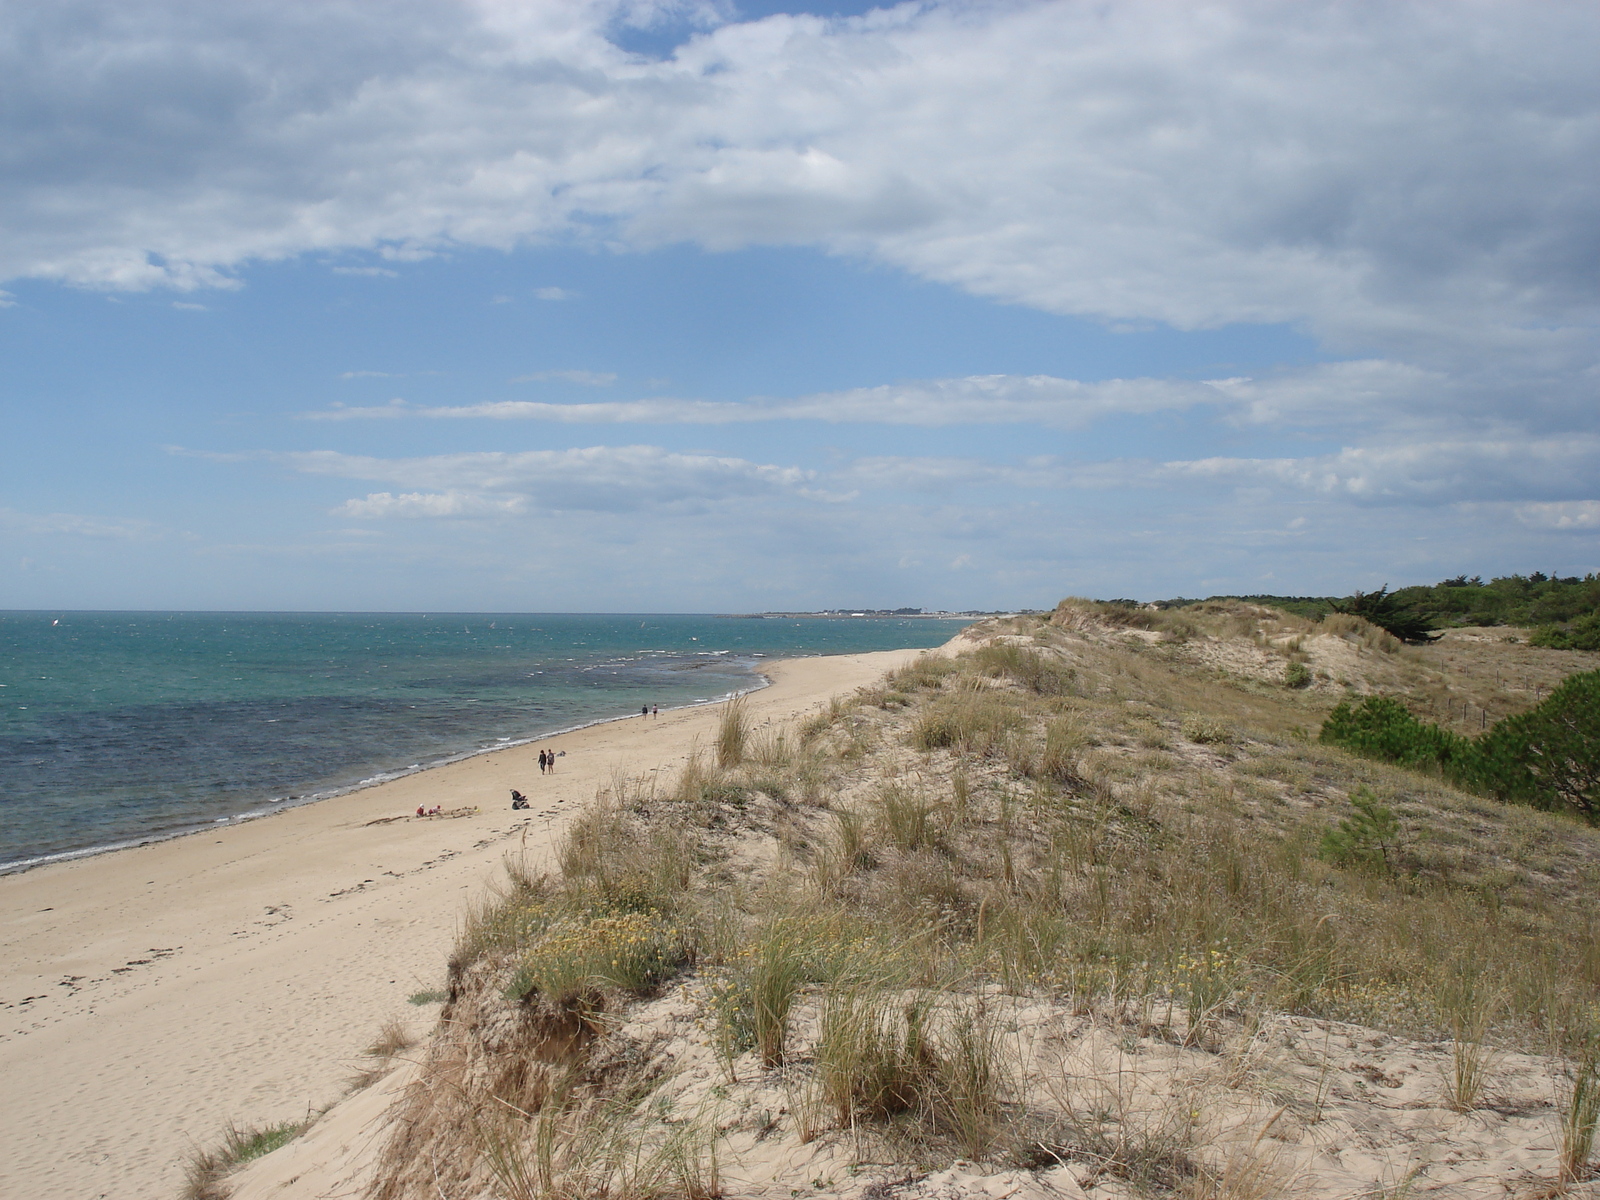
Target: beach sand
[(149, 996)]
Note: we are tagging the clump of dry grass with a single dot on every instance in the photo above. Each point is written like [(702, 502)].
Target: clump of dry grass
[(1580, 1113), (393, 1040), (927, 672), (207, 1171), (605, 1147), (733, 733), (972, 722), (753, 997)]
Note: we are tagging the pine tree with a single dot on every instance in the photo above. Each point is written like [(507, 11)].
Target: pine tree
[(1367, 837)]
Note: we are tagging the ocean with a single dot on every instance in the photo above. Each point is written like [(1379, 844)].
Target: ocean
[(120, 728)]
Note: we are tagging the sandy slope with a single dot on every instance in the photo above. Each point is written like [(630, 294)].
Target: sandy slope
[(149, 996)]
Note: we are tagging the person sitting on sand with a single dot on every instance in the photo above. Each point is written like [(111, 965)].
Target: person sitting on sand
[(421, 812), (518, 800)]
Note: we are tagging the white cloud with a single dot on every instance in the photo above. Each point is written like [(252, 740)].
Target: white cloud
[(364, 412), (594, 478), (190, 307), (7, 300), (76, 525), (940, 475), (1361, 397), (1509, 469), (1382, 173), (552, 293), (431, 505), (1573, 515), (975, 400), (378, 272), (587, 378)]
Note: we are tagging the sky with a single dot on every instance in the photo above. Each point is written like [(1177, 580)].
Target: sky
[(648, 305)]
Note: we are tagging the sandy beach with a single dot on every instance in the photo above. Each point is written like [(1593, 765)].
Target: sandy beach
[(151, 995)]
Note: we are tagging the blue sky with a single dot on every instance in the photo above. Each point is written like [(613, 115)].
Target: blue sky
[(632, 306)]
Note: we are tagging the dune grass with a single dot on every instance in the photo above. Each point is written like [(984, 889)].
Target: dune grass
[(207, 1170), (1087, 813)]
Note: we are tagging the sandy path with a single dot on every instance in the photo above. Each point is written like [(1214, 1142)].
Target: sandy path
[(149, 996)]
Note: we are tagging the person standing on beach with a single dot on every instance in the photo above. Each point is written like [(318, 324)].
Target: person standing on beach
[(541, 762), (655, 710), (551, 760), (644, 710)]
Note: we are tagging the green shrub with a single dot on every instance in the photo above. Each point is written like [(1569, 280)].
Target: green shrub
[(1297, 675), (1381, 727), (1581, 634), (1389, 614), (1367, 837), (1550, 755)]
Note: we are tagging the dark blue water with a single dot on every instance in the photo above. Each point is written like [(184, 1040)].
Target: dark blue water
[(116, 728)]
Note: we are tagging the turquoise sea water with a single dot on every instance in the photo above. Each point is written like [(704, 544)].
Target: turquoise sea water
[(116, 728)]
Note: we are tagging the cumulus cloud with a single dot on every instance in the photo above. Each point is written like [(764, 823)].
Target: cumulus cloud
[(1574, 515), (1384, 174)]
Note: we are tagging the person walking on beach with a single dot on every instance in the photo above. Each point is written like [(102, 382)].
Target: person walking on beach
[(542, 761), (655, 710), (551, 760), (644, 710)]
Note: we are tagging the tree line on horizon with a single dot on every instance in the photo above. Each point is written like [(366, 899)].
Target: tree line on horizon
[(1564, 612)]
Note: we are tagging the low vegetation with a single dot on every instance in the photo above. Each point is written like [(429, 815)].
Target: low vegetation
[(1548, 757), (1564, 612), (1090, 898), (208, 1169)]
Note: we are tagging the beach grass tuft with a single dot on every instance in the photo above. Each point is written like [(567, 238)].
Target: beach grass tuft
[(207, 1171)]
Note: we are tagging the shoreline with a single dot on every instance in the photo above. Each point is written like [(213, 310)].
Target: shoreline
[(151, 995), (290, 803)]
